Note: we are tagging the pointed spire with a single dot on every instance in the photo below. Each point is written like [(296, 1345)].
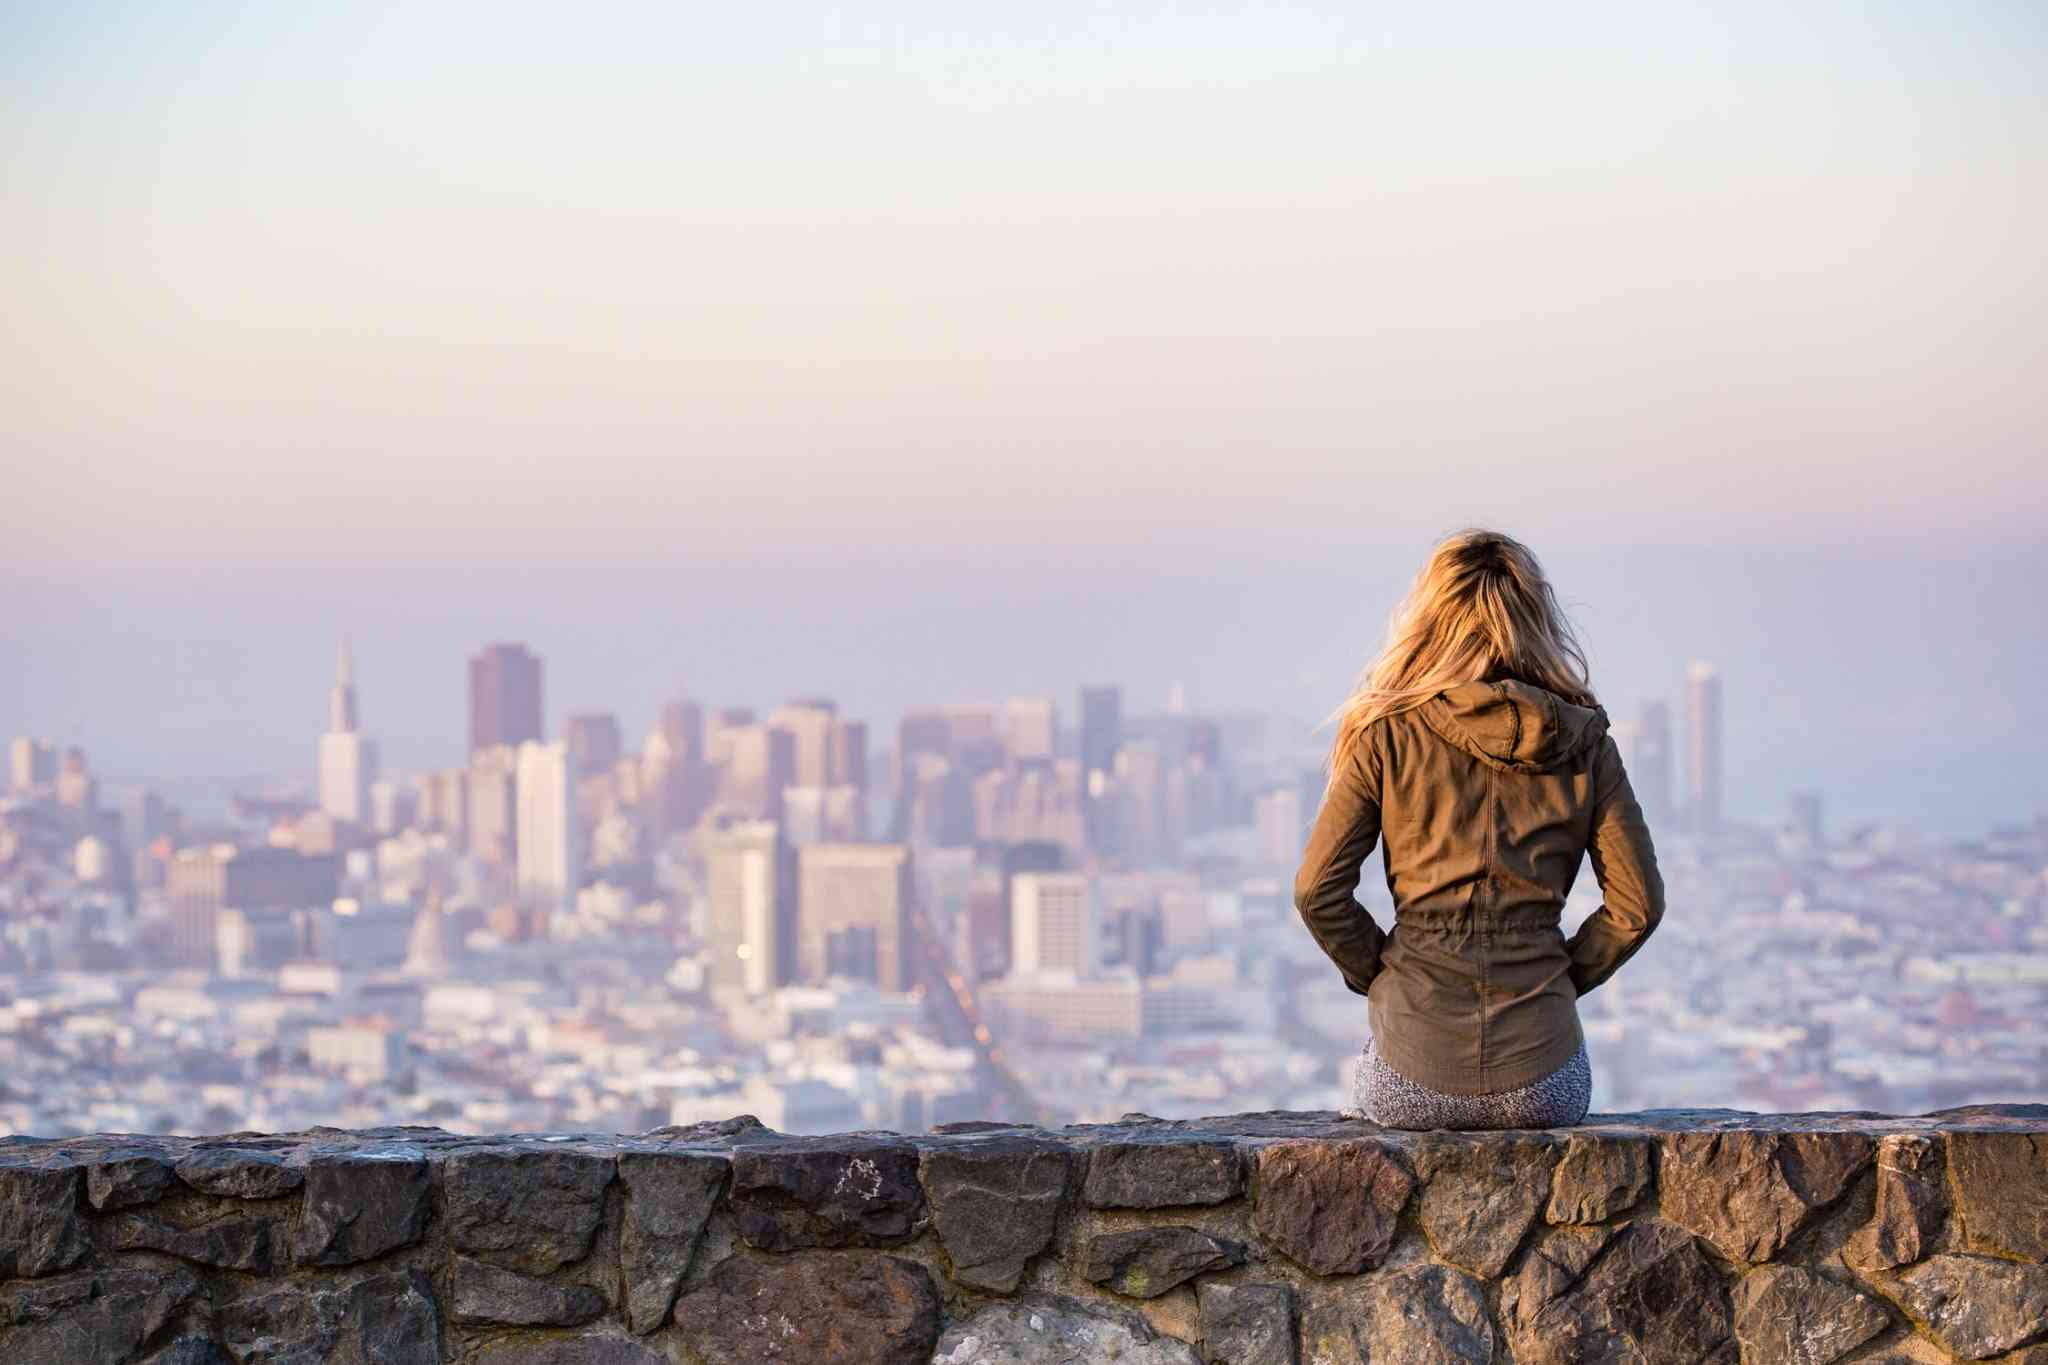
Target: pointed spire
[(345, 666), (341, 702)]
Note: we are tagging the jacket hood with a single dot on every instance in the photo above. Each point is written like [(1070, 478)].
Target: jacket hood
[(1514, 725)]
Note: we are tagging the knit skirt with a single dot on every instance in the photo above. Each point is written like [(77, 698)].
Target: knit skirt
[(1386, 1097)]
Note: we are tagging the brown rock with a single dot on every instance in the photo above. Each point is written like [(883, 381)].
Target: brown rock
[(1146, 1262), (851, 1308), (1330, 1206), (1788, 1315), (2001, 1191), (529, 1209), (578, 1350), (1163, 1172), (826, 1192), (1424, 1315), (1974, 1305), (994, 1205), (669, 1197), (1911, 1204), (1750, 1191), (1649, 1294), (1598, 1177), (1056, 1331), (1481, 1194)]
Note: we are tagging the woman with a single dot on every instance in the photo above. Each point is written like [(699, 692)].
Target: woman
[(1475, 749)]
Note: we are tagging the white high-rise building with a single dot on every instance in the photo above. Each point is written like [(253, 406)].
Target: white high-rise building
[(548, 867), (1030, 728), (348, 759), (1277, 815), (1703, 747), (1053, 923), (750, 894)]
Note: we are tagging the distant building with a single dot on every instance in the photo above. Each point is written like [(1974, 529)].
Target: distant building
[(493, 788), (1647, 758), (1703, 745), (1277, 816), (548, 858), (594, 742), (809, 725), (201, 882), (1030, 728), (853, 913), (1807, 817), (77, 788), (761, 763), (752, 895), (31, 763), (504, 697), (1053, 923)]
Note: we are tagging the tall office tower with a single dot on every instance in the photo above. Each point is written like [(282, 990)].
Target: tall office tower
[(504, 697), (493, 805), (751, 891), (1142, 834), (348, 758), (922, 734), (76, 786), (1102, 730), (1277, 815), (718, 728), (594, 742), (1647, 758), (550, 870), (760, 763), (203, 882), (1052, 923), (1029, 728), (682, 723), (30, 763), (810, 724), (1703, 756), (852, 913), (1806, 817)]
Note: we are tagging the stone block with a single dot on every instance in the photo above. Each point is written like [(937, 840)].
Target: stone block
[(1481, 1195), (480, 1293), (1644, 1292), (1789, 1315), (826, 1192), (40, 1232), (669, 1197), (1146, 1262), (859, 1308), (1599, 1176), (389, 1319), (229, 1243), (89, 1317), (1976, 1306), (1331, 1206), (1160, 1173), (2001, 1192), (360, 1205), (1247, 1324), (995, 1204), (240, 1173), (1423, 1315), (123, 1179), (1056, 1331), (1749, 1192), (525, 1207)]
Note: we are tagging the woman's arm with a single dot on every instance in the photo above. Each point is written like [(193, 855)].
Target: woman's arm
[(1626, 866), (1346, 830)]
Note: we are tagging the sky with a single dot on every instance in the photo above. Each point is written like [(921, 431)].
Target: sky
[(922, 352)]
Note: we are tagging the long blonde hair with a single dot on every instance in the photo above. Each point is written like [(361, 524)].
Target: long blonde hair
[(1480, 608)]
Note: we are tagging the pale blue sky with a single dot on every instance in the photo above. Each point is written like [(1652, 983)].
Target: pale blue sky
[(774, 336)]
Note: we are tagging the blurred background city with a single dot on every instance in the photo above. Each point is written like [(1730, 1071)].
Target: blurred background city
[(608, 570)]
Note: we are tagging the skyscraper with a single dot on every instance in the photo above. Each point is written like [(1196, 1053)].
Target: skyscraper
[(1102, 731), (504, 697), (549, 868), (594, 741), (1648, 762), (1703, 747), (1052, 923), (852, 913), (810, 724), (348, 759), (1029, 725), (751, 891), (30, 763)]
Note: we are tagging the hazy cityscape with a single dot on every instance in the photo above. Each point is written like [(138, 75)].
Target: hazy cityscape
[(1034, 907)]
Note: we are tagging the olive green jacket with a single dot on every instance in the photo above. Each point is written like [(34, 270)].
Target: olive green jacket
[(1486, 797)]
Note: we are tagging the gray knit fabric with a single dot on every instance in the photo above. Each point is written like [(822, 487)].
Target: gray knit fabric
[(1385, 1096)]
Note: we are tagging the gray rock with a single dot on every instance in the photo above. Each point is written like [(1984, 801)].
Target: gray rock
[(1054, 1331), (1481, 1195), (123, 1179), (387, 1319), (39, 1228), (669, 1196), (1599, 1176), (1749, 1192), (530, 1209), (1974, 1305), (1424, 1315), (91, 1317), (230, 1243), (360, 1206), (240, 1173), (479, 1293), (189, 1351), (1246, 1324), (995, 1204), (1146, 1262), (1644, 1292), (1155, 1173), (859, 1308), (580, 1350), (2001, 1185), (1789, 1315), (1331, 1206), (826, 1192)]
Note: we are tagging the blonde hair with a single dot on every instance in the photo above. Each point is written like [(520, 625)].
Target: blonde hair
[(1480, 608)]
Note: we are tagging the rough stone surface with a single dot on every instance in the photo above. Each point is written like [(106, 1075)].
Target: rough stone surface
[(995, 1204), (860, 1308), (230, 1243), (1974, 1305), (1646, 1292), (588, 1350), (826, 1192), (1154, 1174), (357, 1206), (39, 1228), (531, 1209), (1053, 1331), (121, 1180), (1911, 1204), (1146, 1262), (1424, 1315), (90, 1317), (1751, 1192), (240, 1173), (1247, 1324), (388, 1319), (2001, 1190), (1330, 1206), (1598, 1177), (189, 1351), (480, 1293), (669, 1197), (1480, 1195), (1788, 1315)]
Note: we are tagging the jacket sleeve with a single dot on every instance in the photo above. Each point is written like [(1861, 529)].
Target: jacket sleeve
[(1626, 866), (1346, 829)]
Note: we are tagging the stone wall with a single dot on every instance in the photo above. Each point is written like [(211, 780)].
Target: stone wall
[(1255, 1240)]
